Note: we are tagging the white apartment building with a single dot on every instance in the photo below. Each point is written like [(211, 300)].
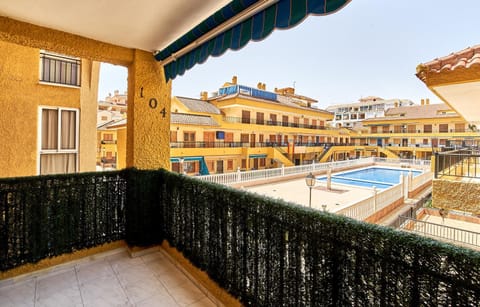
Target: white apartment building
[(348, 115)]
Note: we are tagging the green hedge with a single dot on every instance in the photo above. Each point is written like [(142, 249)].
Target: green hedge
[(265, 252), (271, 253), (46, 216)]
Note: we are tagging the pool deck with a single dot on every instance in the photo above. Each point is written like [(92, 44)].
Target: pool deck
[(296, 191)]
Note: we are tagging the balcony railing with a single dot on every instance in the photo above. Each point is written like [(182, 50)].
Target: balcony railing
[(254, 121), (109, 141), (59, 69), (264, 252), (443, 232), (249, 144), (461, 163), (405, 131)]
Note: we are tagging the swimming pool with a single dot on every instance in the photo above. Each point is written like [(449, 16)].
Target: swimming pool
[(379, 177)]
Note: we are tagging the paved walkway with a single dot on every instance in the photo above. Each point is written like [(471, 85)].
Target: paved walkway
[(296, 191), (112, 280)]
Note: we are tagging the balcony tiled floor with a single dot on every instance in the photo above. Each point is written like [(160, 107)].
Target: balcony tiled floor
[(113, 280)]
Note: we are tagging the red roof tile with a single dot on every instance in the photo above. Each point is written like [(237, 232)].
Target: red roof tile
[(465, 58)]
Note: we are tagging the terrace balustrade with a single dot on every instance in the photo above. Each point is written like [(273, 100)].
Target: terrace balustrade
[(265, 252)]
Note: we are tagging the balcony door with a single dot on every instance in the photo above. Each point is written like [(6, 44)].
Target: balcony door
[(209, 139)]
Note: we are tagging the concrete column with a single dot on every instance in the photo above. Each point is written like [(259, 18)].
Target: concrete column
[(148, 123)]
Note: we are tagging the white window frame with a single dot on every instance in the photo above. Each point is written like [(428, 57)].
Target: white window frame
[(59, 150), (59, 56)]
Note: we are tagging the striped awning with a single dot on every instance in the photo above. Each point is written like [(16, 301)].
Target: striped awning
[(282, 14)]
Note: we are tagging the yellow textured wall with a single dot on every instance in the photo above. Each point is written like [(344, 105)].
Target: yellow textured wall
[(121, 148), (462, 196), (30, 35), (148, 128), (88, 115), (21, 95), (148, 137)]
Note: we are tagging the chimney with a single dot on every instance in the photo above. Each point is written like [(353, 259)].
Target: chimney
[(396, 104), (422, 102), (264, 86), (204, 96), (259, 85), (234, 80), (427, 101)]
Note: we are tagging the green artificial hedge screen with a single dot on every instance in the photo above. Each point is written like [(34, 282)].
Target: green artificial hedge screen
[(263, 251)]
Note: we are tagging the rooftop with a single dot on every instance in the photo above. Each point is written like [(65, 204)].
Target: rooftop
[(416, 112), (463, 59), (197, 105), (192, 119)]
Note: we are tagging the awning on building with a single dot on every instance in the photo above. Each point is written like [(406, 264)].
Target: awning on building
[(257, 156), (282, 14), (200, 160)]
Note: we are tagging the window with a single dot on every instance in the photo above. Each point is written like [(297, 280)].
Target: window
[(173, 136), (373, 129), (296, 121), (244, 163), (314, 123), (260, 118), (443, 127), (189, 139), (59, 140), (108, 137), (285, 120), (59, 69), (306, 123), (230, 165), (411, 128), (244, 138), (459, 127), (427, 128), (245, 117), (273, 119), (210, 165), (397, 129), (385, 129)]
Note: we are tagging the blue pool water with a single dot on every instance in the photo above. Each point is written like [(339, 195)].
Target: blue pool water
[(379, 177)]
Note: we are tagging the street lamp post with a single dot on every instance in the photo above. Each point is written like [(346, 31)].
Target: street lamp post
[(310, 181)]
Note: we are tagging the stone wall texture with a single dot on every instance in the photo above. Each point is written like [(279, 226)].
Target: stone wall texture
[(456, 195)]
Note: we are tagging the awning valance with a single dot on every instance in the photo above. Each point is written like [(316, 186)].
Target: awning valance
[(281, 15)]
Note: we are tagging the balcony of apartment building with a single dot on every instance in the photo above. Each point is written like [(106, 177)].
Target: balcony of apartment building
[(274, 122), (455, 206), (263, 252)]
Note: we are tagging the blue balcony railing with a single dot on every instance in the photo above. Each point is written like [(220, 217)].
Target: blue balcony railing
[(264, 252)]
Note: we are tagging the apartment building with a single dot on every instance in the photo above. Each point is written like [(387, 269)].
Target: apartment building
[(454, 79), (46, 97), (351, 114), (417, 130), (243, 127)]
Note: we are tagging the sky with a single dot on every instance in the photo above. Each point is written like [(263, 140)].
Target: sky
[(369, 48)]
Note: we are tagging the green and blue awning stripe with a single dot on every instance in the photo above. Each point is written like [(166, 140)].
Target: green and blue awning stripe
[(283, 14)]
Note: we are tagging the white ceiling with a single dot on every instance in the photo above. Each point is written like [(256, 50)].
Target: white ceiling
[(142, 24), (463, 98)]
